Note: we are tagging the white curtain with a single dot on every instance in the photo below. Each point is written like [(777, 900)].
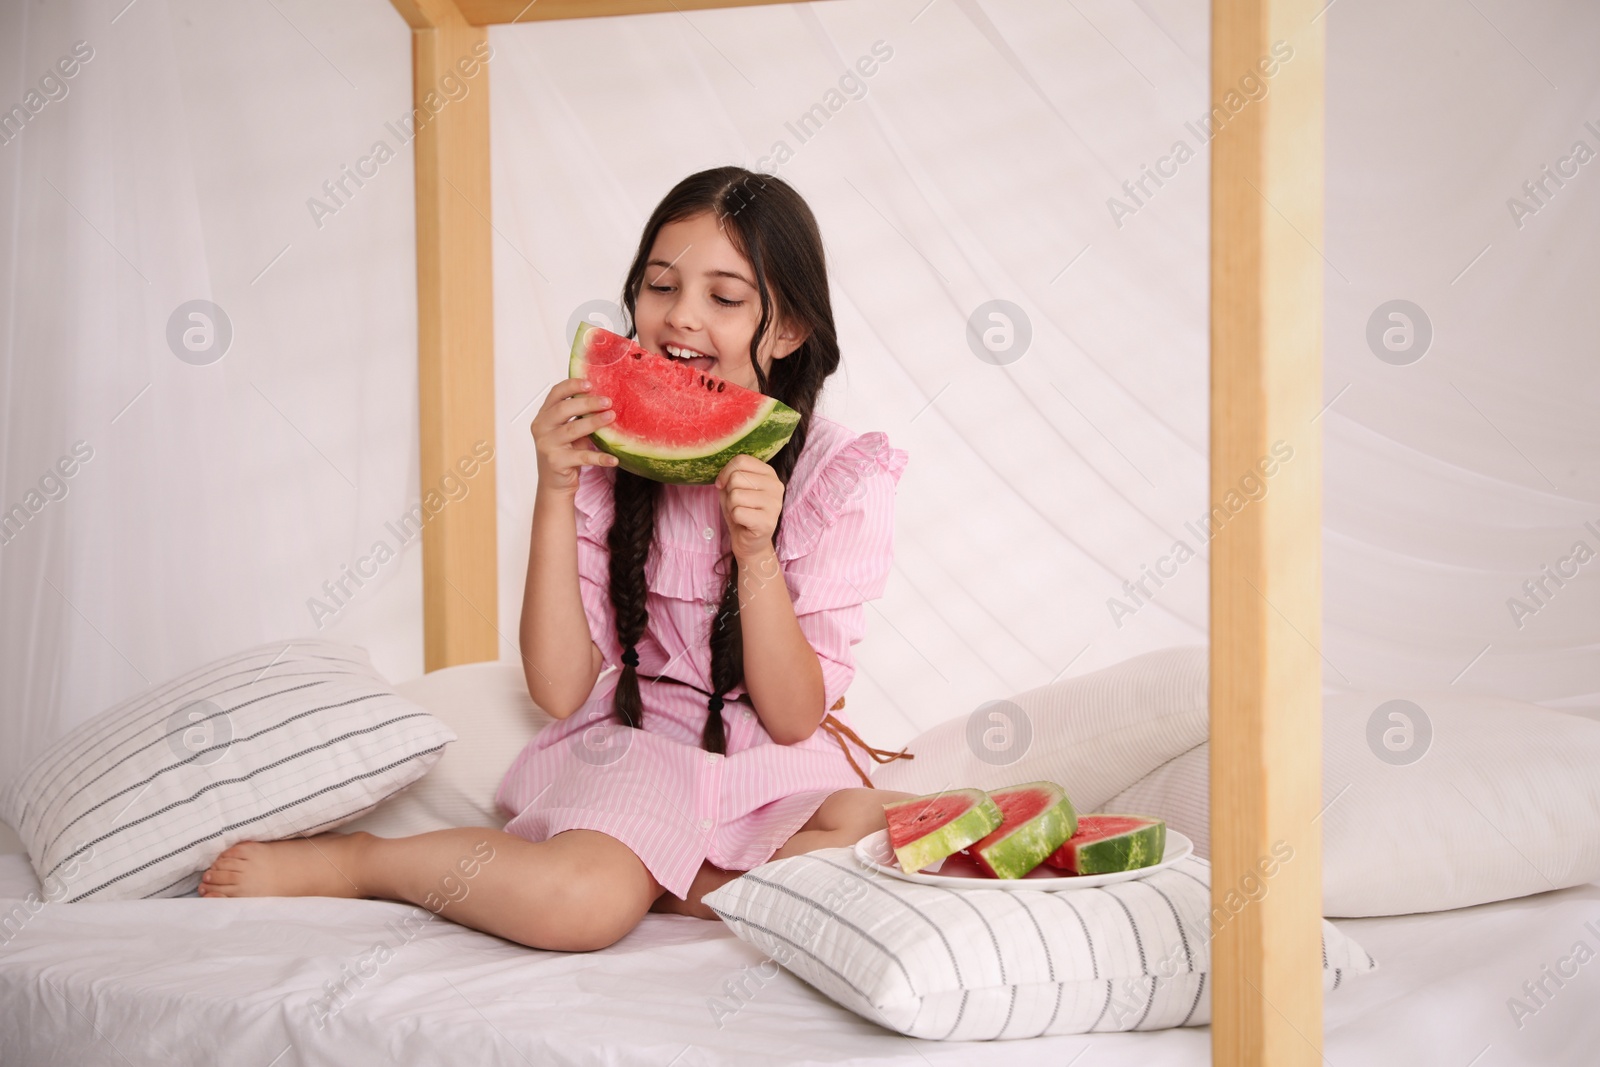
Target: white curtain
[(1454, 480), (175, 164), (983, 158)]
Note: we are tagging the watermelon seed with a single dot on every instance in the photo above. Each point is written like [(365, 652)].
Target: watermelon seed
[(720, 385), (638, 355)]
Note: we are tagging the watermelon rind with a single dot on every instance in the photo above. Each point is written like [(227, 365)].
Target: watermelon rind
[(980, 818), (1024, 847), (761, 436), (1143, 846)]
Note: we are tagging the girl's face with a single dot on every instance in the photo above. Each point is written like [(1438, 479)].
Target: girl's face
[(698, 303)]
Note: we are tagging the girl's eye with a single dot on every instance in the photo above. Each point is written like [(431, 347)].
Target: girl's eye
[(659, 288), (726, 302)]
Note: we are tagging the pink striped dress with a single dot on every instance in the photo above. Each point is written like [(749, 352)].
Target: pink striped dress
[(655, 788)]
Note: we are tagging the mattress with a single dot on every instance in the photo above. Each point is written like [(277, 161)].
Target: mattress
[(319, 981)]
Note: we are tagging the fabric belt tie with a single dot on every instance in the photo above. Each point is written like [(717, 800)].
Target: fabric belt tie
[(840, 731)]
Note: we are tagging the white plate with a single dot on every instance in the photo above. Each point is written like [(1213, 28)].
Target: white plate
[(959, 872)]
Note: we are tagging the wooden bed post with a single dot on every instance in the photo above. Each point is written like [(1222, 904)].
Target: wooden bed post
[(455, 331), (1266, 594), (494, 12)]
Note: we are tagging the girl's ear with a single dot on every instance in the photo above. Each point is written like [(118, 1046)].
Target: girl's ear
[(788, 338)]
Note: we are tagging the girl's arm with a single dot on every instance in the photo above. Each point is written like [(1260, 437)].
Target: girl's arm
[(782, 673), (781, 670), (559, 659)]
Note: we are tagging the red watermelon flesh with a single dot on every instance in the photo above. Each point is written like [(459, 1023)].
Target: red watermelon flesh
[(1037, 818), (1107, 843), (926, 829), (674, 423)]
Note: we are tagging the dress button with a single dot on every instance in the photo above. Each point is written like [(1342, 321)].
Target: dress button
[(705, 824), (748, 714), (711, 757), (711, 608), (708, 533)]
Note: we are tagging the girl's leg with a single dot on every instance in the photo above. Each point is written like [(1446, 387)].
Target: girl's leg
[(578, 891), (844, 818), (708, 878)]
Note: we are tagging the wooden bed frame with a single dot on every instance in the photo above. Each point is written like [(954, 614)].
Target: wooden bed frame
[(1266, 387)]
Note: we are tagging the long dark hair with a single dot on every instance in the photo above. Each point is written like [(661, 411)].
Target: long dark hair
[(772, 226)]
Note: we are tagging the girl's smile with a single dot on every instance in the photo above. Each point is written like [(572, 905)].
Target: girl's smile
[(698, 303), (698, 360)]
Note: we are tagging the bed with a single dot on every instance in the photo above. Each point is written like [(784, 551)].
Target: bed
[(242, 981), (239, 981), (323, 980)]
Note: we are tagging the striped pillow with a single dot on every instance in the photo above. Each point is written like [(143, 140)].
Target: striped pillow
[(284, 739), (982, 964)]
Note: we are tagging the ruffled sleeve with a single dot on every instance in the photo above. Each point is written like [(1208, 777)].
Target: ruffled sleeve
[(595, 511), (836, 548)]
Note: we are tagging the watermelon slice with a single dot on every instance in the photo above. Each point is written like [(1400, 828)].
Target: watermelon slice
[(1106, 843), (924, 830), (674, 423), (1038, 819)]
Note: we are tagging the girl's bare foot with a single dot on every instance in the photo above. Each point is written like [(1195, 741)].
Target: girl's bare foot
[(320, 866)]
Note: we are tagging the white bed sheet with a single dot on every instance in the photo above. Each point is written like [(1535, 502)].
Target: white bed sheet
[(197, 981)]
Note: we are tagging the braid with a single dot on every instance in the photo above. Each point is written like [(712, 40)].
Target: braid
[(727, 660), (727, 641), (634, 503)]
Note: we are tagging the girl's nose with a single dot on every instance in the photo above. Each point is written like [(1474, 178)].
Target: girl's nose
[(681, 316)]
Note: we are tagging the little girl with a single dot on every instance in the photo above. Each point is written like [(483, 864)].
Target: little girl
[(728, 612)]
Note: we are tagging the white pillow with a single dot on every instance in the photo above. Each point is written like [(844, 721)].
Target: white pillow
[(1499, 799), (488, 707), (1179, 792), (10, 843), (285, 739), (1095, 735), (982, 964)]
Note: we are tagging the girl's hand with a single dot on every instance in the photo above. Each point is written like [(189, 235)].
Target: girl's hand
[(752, 500), (561, 435)]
